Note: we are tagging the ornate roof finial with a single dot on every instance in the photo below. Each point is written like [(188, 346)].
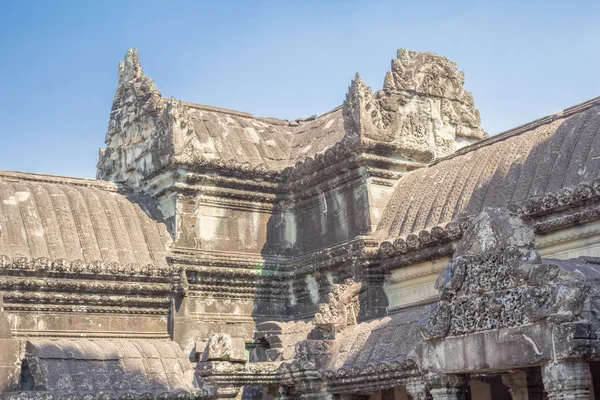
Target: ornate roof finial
[(131, 68), (359, 94)]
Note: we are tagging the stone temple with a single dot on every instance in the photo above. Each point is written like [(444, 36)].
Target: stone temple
[(386, 250)]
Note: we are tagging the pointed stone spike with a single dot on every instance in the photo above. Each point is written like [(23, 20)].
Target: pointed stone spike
[(403, 54), (388, 82), (131, 67)]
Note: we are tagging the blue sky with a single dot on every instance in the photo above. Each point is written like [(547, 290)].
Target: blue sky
[(285, 59)]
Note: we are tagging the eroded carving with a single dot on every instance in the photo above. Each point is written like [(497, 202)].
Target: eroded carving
[(496, 279), (421, 112)]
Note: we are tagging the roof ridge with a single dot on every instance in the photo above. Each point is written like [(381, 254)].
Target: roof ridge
[(249, 115), (64, 180), (218, 109), (565, 113)]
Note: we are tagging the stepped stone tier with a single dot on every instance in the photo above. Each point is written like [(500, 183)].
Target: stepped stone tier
[(387, 249)]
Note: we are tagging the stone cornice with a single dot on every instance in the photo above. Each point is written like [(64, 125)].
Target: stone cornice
[(75, 308), (371, 377), (80, 268), (181, 394), (88, 299), (82, 286), (260, 266), (291, 181)]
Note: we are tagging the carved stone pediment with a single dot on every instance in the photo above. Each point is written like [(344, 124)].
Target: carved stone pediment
[(423, 111), (341, 310), (496, 279)]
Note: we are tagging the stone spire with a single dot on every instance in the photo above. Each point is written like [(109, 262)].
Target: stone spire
[(133, 126), (359, 93), (131, 67)]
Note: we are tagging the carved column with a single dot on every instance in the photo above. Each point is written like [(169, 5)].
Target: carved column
[(417, 389), (448, 387), (567, 380), (516, 382)]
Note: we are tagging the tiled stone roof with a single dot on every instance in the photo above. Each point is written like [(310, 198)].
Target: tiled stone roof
[(94, 365), (556, 152), (53, 218), (388, 340), (277, 144)]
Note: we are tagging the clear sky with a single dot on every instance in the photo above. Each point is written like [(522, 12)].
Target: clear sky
[(286, 59)]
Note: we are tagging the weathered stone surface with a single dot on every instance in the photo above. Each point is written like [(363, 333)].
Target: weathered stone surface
[(423, 111), (145, 128), (501, 306), (262, 251), (222, 347), (67, 225), (10, 363), (341, 309), (528, 165), (85, 365), (567, 380), (496, 279)]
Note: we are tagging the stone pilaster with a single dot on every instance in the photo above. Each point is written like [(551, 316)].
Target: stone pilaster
[(447, 387), (9, 354), (417, 389), (516, 382), (567, 380)]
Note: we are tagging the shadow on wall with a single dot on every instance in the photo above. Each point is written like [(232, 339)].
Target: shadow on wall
[(515, 169), (545, 159), (105, 365), (302, 236)]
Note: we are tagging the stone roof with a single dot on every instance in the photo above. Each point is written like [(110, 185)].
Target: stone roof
[(423, 112), (55, 218), (94, 365), (284, 336), (232, 135), (389, 340), (545, 156)]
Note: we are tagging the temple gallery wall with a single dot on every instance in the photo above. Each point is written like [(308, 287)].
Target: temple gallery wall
[(386, 250)]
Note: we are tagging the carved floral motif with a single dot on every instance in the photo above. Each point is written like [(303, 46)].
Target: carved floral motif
[(496, 279)]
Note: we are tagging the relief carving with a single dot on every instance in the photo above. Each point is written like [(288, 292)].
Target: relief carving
[(341, 310), (421, 111), (496, 279)]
